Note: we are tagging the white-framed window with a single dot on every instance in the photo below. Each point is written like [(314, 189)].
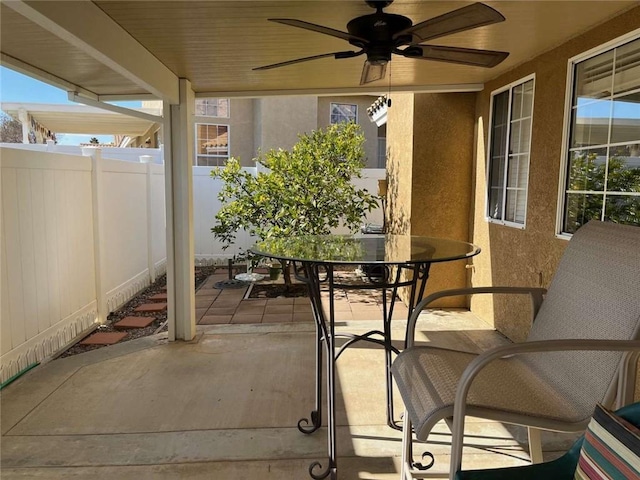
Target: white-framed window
[(212, 107), (601, 167), (343, 112), (212, 144), (509, 150)]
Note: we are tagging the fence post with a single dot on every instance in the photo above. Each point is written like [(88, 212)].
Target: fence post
[(97, 200), (148, 159)]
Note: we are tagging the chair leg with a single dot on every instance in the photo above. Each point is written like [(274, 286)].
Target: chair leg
[(407, 451), (408, 470), (535, 444)]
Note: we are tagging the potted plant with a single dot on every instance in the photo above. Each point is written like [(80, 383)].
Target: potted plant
[(274, 271)]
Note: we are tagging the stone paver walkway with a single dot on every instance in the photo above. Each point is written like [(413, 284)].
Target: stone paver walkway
[(229, 306), (103, 338)]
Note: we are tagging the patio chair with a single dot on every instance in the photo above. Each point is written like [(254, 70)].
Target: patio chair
[(562, 468), (582, 349)]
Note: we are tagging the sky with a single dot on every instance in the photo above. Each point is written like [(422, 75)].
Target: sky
[(15, 87)]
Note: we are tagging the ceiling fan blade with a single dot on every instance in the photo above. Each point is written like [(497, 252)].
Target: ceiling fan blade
[(465, 18), (320, 29), (465, 56), (372, 72), (337, 55)]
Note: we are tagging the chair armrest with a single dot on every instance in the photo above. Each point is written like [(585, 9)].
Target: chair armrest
[(476, 365), (536, 294)]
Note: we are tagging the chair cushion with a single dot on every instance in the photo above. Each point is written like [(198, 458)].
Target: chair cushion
[(611, 448)]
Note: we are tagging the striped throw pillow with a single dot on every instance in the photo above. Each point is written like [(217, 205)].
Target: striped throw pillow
[(611, 449)]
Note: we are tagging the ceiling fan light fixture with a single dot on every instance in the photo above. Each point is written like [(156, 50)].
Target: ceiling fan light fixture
[(372, 72)]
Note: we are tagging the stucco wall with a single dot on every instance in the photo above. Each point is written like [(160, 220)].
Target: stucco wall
[(276, 122), (430, 148), (529, 256), (442, 178), (369, 128), (241, 130), (400, 121), (283, 118)]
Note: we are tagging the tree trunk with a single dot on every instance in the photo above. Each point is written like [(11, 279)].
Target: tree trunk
[(286, 273)]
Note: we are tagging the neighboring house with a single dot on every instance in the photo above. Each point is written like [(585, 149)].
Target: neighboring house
[(223, 127), (240, 128)]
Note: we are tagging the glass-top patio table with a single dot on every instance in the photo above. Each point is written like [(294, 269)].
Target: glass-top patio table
[(388, 263)]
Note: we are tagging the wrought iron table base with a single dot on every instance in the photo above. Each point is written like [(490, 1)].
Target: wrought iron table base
[(326, 338)]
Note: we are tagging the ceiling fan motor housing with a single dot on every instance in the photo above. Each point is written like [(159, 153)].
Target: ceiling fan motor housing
[(379, 28), (379, 4)]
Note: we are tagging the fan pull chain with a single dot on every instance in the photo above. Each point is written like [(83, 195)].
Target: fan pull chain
[(389, 89)]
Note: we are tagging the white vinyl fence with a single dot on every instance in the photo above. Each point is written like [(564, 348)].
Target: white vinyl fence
[(128, 154), (81, 235)]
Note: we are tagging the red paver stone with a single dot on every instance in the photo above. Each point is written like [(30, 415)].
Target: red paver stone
[(151, 307), (103, 338), (134, 322), (159, 297)]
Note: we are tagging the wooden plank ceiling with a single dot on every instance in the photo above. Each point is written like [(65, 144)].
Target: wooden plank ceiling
[(215, 44)]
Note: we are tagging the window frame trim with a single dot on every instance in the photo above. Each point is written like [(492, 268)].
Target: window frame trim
[(566, 124), (331, 104), (508, 87), (195, 141)]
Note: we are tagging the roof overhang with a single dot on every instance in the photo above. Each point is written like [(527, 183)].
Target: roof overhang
[(82, 119)]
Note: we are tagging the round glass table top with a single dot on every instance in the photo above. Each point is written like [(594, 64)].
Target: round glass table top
[(364, 249)]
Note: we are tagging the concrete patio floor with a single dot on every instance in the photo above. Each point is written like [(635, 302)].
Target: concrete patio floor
[(226, 405)]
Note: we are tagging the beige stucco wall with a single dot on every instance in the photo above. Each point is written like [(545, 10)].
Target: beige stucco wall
[(281, 119), (276, 122), (369, 128), (429, 168), (241, 130), (442, 178), (400, 121), (529, 256)]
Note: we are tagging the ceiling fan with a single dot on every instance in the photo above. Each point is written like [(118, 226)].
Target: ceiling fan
[(379, 35)]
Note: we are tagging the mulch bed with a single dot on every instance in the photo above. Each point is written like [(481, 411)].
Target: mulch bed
[(158, 325)]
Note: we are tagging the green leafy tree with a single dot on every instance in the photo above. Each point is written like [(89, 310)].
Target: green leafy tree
[(305, 190), (588, 174), (94, 141), (10, 129)]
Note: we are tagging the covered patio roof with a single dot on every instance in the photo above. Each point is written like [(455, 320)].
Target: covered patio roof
[(113, 50)]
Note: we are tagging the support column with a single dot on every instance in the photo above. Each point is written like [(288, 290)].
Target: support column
[(430, 138), (178, 155), (24, 120)]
